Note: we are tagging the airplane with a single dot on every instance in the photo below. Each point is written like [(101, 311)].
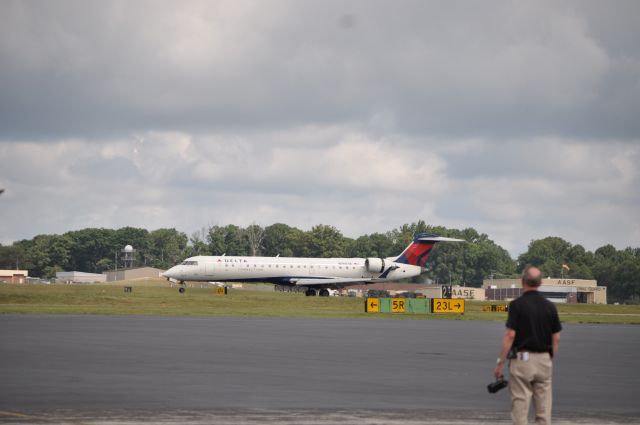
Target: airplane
[(318, 275)]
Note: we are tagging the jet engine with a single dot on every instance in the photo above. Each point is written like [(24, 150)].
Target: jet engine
[(374, 265)]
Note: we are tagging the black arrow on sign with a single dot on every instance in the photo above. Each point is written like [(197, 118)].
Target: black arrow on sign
[(457, 305)]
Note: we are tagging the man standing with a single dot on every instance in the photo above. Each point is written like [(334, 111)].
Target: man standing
[(532, 337)]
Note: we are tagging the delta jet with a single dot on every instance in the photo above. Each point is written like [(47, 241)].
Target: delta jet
[(318, 275)]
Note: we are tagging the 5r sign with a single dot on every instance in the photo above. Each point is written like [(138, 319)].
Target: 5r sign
[(398, 305)]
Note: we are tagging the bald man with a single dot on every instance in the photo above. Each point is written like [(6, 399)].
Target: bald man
[(532, 336)]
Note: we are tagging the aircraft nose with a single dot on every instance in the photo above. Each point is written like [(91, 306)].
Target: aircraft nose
[(169, 273)]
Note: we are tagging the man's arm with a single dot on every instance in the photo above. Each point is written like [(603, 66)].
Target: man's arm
[(507, 342), (555, 338)]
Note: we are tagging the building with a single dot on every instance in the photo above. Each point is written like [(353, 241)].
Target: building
[(79, 277), (468, 293), (13, 276), (558, 290), (133, 273)]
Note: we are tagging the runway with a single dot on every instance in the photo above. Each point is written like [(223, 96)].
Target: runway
[(96, 366)]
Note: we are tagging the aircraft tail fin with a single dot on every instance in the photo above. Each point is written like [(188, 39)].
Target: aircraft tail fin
[(418, 251)]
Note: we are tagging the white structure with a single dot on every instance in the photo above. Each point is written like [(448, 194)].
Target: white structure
[(128, 256), (79, 277)]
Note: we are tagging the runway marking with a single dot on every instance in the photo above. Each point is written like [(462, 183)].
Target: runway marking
[(600, 314), (7, 413), (17, 415)]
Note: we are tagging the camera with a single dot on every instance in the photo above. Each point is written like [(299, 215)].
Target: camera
[(494, 387)]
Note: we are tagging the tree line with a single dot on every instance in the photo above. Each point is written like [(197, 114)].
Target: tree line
[(97, 250)]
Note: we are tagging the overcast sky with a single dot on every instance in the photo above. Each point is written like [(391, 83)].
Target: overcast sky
[(520, 119)]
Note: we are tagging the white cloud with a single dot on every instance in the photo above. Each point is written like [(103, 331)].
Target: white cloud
[(359, 183)]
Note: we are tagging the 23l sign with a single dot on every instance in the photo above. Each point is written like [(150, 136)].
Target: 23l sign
[(441, 305)]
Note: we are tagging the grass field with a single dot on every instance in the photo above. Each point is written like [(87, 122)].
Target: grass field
[(156, 298)]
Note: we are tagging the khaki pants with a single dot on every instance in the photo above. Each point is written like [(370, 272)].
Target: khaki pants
[(531, 378)]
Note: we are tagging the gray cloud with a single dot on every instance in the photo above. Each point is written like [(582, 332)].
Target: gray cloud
[(109, 68), (364, 114)]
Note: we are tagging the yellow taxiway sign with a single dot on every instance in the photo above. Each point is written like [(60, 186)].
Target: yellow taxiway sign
[(373, 305), (446, 305), (398, 305)]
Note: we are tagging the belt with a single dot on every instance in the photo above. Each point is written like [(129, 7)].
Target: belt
[(524, 355)]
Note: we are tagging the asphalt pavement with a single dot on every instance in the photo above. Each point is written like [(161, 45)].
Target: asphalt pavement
[(133, 368)]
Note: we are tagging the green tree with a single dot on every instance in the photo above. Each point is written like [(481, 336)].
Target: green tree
[(627, 281), (198, 242), (11, 256), (300, 243), (166, 247), (255, 236), (90, 246), (105, 264), (216, 240), (549, 254), (229, 240), (362, 247), (277, 240), (326, 241)]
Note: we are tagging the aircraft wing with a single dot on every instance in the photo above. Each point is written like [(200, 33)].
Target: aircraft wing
[(334, 281)]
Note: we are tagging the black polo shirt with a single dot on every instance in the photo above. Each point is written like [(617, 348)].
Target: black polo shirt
[(535, 319)]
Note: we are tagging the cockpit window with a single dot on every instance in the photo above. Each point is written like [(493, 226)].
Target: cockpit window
[(189, 263)]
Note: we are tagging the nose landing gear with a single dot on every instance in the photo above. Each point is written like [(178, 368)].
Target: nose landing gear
[(182, 287)]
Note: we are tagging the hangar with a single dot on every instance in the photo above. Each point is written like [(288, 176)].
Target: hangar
[(559, 290), (133, 273), (13, 276)]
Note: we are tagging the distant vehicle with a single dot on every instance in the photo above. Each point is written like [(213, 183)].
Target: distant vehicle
[(333, 292), (318, 275)]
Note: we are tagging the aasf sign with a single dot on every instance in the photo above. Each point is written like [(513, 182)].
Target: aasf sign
[(567, 282), (463, 293)]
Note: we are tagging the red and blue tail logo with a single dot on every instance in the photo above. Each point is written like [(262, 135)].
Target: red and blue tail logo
[(417, 253)]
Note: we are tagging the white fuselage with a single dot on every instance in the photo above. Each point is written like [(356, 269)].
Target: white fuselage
[(284, 270)]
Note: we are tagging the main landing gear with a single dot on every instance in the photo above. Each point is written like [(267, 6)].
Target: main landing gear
[(312, 292)]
